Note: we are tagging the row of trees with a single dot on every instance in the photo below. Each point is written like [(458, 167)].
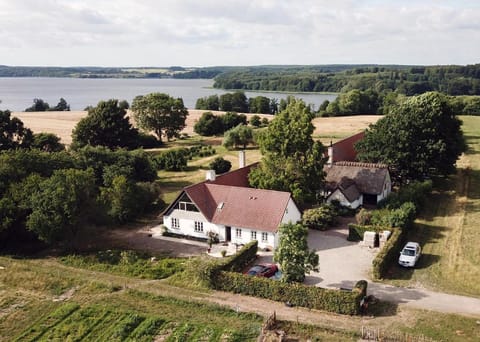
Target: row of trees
[(238, 102), (210, 124), (40, 105)]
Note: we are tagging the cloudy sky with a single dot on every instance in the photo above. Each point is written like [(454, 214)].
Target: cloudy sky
[(238, 32)]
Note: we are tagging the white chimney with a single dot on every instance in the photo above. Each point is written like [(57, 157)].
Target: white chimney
[(210, 176), (241, 159), (330, 154)]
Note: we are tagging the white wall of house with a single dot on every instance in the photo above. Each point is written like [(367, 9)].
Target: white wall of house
[(188, 223), (292, 214), (387, 188), (246, 235), (184, 223), (340, 197)]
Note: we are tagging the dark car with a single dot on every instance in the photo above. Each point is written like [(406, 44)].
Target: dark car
[(263, 270)]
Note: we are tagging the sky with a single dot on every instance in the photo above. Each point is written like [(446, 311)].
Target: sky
[(238, 32)]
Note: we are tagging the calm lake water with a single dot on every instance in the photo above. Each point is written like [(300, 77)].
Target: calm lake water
[(17, 94)]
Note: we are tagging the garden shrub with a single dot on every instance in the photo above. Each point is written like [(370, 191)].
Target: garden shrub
[(364, 217), (415, 192), (172, 160), (388, 254), (320, 218), (342, 302), (403, 216), (220, 165)]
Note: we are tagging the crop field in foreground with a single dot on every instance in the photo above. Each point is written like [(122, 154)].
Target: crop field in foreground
[(72, 322)]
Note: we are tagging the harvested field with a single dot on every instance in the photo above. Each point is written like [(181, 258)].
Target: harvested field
[(62, 123)]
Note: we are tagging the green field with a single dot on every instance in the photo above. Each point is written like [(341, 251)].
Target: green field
[(448, 228)]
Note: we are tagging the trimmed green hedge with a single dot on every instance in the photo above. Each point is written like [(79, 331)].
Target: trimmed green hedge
[(206, 270), (338, 301), (388, 254), (356, 231)]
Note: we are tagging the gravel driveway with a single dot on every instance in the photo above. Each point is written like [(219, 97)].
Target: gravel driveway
[(342, 263)]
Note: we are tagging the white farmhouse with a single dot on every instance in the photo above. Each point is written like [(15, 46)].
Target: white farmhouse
[(227, 206)]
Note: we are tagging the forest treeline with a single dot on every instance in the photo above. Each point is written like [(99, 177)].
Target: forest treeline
[(407, 80)]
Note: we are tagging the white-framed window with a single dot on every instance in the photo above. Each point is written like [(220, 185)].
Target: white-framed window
[(264, 237), (253, 235), (238, 233), (175, 223), (198, 227)]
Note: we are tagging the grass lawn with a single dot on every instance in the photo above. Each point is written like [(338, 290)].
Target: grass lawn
[(448, 228)]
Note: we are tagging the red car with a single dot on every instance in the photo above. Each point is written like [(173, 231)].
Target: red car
[(263, 270)]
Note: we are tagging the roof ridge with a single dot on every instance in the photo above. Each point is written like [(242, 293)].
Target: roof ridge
[(361, 164)]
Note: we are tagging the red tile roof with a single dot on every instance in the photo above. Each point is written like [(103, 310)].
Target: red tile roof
[(239, 206), (238, 177), (344, 149), (242, 206)]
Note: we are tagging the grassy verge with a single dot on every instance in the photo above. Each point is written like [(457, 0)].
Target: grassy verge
[(448, 228), (129, 263)]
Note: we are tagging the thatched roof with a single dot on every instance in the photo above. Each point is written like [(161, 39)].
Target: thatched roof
[(368, 178)]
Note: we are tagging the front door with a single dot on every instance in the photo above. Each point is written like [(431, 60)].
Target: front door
[(228, 233)]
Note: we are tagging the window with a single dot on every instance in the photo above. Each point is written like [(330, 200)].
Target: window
[(198, 227), (238, 233), (254, 235), (264, 237), (175, 223), (187, 206)]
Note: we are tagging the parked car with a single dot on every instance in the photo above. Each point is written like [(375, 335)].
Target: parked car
[(410, 254), (263, 270)]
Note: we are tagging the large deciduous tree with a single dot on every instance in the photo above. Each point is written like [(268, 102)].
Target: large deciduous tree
[(160, 113), (292, 160), (13, 134), (419, 138), (62, 204), (105, 125), (293, 255)]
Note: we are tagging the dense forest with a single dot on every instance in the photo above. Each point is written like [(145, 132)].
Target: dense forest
[(408, 80)]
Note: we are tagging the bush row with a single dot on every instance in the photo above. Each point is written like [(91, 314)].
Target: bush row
[(206, 271), (342, 302), (356, 231), (388, 254), (223, 274), (176, 159)]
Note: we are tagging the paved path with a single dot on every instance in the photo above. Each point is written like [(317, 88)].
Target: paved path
[(347, 262)]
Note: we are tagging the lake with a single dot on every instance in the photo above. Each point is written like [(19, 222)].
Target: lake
[(18, 93)]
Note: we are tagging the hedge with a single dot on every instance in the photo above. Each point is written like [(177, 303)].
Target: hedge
[(338, 301), (388, 254), (356, 231), (206, 270)]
